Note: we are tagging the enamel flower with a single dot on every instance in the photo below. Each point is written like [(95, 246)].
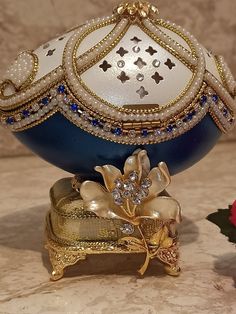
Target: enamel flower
[(136, 194)]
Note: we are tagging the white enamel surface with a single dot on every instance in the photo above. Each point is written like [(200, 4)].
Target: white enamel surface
[(106, 84), (210, 61), (93, 38), (109, 87), (48, 63), (211, 64)]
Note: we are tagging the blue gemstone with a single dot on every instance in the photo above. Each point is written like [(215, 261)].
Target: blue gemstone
[(10, 120), (225, 112), (45, 101), (95, 122), (169, 129), (61, 89), (189, 116), (25, 113), (215, 98), (74, 107), (203, 100), (144, 132), (117, 131)]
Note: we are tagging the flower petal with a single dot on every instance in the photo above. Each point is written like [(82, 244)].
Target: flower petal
[(139, 162), (110, 174), (162, 207), (160, 178), (100, 201)]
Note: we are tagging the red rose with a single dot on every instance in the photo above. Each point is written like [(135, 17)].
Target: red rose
[(233, 214)]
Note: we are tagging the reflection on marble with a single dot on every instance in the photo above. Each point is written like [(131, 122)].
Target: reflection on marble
[(109, 284)]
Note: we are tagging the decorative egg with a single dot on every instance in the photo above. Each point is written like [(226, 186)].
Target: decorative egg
[(105, 88)]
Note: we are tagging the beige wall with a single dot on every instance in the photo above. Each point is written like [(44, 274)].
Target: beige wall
[(25, 24)]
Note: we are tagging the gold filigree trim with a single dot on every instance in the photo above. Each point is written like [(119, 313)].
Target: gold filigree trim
[(100, 56), (137, 9)]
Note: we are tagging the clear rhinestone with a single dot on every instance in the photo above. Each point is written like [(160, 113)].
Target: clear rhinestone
[(156, 63), (132, 134), (157, 132), (18, 117), (53, 92), (179, 123), (133, 176), (119, 183), (121, 63), (146, 183), (117, 197), (3, 120), (128, 185), (140, 77), (107, 127), (136, 49), (126, 194), (127, 229), (85, 115), (118, 201), (136, 200), (35, 107), (116, 193)]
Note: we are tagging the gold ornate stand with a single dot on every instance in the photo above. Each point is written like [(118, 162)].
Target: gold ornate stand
[(131, 213)]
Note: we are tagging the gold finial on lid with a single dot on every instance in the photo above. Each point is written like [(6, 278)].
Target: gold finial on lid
[(141, 9)]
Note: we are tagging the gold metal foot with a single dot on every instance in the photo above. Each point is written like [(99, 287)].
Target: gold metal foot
[(172, 270), (61, 258)]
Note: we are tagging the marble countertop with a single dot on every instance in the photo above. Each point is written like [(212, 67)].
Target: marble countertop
[(108, 284)]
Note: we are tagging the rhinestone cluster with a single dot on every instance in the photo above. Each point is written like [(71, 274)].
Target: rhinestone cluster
[(130, 189)]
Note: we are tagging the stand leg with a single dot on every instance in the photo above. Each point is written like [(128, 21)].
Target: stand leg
[(170, 258), (61, 258)]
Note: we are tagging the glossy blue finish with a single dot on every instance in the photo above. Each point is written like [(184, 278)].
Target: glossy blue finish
[(66, 146)]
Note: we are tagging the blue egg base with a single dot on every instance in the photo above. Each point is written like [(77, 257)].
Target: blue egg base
[(68, 147)]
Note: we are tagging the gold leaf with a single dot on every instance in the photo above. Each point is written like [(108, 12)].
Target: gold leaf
[(159, 236), (167, 242), (132, 243)]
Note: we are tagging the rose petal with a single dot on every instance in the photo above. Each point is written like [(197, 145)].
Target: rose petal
[(110, 174), (139, 162), (162, 207), (160, 178)]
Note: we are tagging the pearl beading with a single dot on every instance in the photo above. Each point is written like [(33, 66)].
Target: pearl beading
[(229, 79), (34, 91), (59, 100), (200, 67), (22, 70), (104, 120), (222, 92)]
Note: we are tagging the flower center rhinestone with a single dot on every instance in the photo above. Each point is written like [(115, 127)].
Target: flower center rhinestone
[(127, 228), (131, 189)]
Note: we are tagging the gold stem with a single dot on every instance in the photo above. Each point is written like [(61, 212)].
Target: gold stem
[(133, 210), (143, 269), (128, 208)]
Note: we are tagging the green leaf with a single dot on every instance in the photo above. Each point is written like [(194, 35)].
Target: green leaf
[(221, 219)]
